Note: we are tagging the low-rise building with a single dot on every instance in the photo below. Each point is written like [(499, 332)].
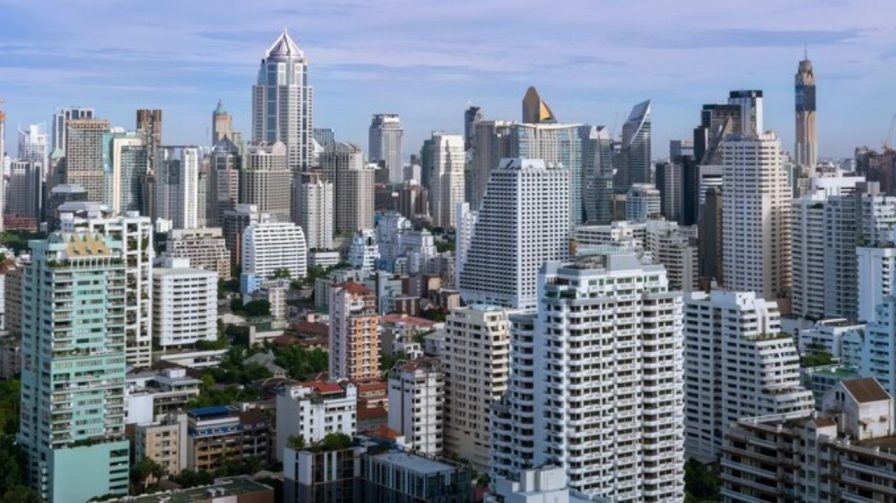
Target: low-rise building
[(314, 409), (845, 453), (222, 433), (416, 403), (150, 393), (164, 442), (225, 490)]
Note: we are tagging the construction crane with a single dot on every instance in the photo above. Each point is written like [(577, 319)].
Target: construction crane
[(886, 143)]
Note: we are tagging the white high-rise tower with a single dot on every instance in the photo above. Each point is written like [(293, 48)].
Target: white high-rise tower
[(385, 144), (282, 102)]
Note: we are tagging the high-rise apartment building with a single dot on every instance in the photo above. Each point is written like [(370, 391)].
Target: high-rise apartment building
[(127, 171), (364, 252), (520, 226), (270, 246), (72, 414), (185, 304), (24, 190), (756, 203), (225, 165), (235, 223), (354, 332), (417, 402), (313, 209), (446, 176), (342, 164), (222, 124), (385, 144), (596, 382), (134, 232), (668, 183), (177, 187), (265, 180), (282, 101), (806, 148), (738, 364), (84, 155), (314, 410), (464, 222), (476, 359), (204, 247), (60, 118), (635, 156)]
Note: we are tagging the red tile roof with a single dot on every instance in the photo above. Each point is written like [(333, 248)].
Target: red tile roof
[(410, 320), (356, 288), (323, 387), (372, 413)]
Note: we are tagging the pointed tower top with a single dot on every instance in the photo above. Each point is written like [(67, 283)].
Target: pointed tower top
[(285, 47), (535, 110), (220, 110)]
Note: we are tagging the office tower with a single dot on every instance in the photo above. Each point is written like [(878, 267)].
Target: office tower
[(265, 180), (127, 171), (60, 118), (84, 155), (235, 222), (755, 216), (877, 167), (222, 124), (66, 375), (34, 146), (668, 183), (472, 115), (385, 144), (446, 176), (476, 356), (354, 333), (839, 453), (324, 136), (177, 187), (629, 404), (184, 304), (709, 236), (597, 173), (314, 410), (417, 402), (282, 102), (313, 209), (642, 202), (519, 227), (134, 232), (738, 364), (413, 200), (342, 164), (750, 103), (149, 126), (225, 164), (363, 253), (24, 190), (269, 246), (635, 154), (535, 110), (204, 247), (806, 148)]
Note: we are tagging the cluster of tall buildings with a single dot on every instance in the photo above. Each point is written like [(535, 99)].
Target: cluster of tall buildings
[(606, 317)]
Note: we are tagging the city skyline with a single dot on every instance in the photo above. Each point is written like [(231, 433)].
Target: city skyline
[(425, 68)]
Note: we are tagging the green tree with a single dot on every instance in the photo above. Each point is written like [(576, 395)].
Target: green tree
[(281, 273), (143, 470), (334, 442), (296, 442), (700, 483), (301, 362), (21, 494), (259, 307)]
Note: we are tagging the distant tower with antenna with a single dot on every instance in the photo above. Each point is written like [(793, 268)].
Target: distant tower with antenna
[(806, 147)]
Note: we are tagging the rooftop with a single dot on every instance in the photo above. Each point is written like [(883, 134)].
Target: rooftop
[(234, 486), (866, 390), (215, 410), (413, 463)]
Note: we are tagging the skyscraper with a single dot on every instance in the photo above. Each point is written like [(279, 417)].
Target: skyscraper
[(446, 176), (523, 222), (806, 148), (282, 102), (149, 125), (72, 381), (34, 146), (343, 165), (385, 144), (84, 155), (23, 189), (751, 115), (472, 115), (755, 216), (225, 164), (265, 179), (313, 209), (60, 118), (597, 173), (127, 171), (177, 187), (635, 161), (535, 110), (596, 381), (222, 124)]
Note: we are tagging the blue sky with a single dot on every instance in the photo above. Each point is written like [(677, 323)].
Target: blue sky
[(590, 59)]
